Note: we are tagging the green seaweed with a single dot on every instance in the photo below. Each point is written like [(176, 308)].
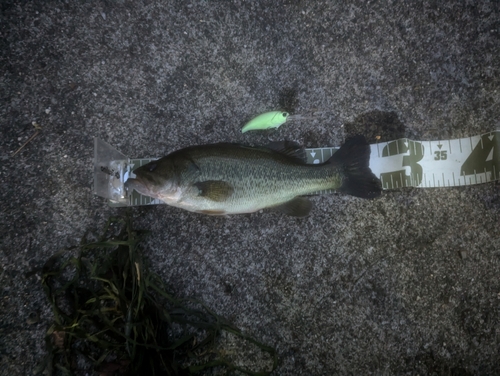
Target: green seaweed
[(110, 311)]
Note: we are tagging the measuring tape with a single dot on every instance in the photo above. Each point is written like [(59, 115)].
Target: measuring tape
[(430, 164), (400, 163)]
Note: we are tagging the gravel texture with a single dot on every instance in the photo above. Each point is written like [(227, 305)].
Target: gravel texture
[(405, 284)]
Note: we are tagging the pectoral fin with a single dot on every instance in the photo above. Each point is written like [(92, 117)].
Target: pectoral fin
[(297, 207), (215, 190)]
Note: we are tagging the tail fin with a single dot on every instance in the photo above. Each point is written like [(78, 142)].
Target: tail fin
[(353, 158)]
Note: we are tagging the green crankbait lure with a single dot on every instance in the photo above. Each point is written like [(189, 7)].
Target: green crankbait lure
[(269, 120)]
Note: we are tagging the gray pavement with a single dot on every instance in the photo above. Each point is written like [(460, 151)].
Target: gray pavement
[(405, 284)]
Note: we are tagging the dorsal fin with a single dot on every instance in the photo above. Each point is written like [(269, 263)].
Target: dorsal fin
[(290, 149)]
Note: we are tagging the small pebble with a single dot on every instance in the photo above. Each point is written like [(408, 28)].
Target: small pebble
[(33, 318)]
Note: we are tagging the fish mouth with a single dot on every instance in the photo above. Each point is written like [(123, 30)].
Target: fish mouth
[(137, 184)]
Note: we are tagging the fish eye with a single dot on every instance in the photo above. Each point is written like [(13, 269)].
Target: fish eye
[(284, 114), (152, 167)]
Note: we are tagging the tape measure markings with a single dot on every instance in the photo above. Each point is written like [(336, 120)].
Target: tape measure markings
[(477, 162), (455, 164)]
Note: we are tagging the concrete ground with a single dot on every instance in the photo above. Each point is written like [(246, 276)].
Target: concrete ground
[(405, 284)]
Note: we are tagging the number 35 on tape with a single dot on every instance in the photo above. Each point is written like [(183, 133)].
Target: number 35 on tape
[(426, 164)]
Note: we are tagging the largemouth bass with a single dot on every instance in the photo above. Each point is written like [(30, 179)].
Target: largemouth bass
[(224, 178)]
